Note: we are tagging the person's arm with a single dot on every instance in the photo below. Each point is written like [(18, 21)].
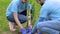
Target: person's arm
[(43, 17), (14, 9), (40, 19), (17, 20)]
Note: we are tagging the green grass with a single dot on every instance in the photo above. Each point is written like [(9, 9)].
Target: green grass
[(3, 21), (37, 10)]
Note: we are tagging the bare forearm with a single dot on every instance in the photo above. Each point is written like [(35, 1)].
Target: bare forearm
[(17, 20)]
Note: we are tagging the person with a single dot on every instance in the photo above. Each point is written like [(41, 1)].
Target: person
[(17, 15), (49, 19)]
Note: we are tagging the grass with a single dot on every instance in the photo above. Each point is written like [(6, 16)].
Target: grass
[(3, 21)]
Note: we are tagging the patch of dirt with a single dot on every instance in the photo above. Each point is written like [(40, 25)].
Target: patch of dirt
[(9, 32), (6, 32)]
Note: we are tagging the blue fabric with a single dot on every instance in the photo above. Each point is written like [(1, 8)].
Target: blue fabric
[(49, 27), (17, 6), (51, 8), (39, 33), (35, 26), (50, 11), (22, 18)]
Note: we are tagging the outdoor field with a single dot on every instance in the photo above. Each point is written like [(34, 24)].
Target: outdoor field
[(4, 28)]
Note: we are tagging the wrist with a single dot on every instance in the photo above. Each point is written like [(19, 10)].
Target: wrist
[(20, 26)]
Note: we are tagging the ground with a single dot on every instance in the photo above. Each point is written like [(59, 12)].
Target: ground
[(4, 29)]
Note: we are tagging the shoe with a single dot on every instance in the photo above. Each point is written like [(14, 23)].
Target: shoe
[(11, 29)]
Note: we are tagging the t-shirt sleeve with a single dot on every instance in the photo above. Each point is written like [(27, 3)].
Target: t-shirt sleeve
[(44, 11), (14, 7)]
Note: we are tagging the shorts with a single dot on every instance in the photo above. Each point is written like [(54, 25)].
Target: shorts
[(22, 18)]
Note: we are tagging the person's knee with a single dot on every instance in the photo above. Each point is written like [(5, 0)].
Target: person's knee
[(22, 18), (40, 25)]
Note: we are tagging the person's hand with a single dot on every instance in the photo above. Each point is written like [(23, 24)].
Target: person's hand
[(23, 30), (39, 33), (29, 29), (30, 33)]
